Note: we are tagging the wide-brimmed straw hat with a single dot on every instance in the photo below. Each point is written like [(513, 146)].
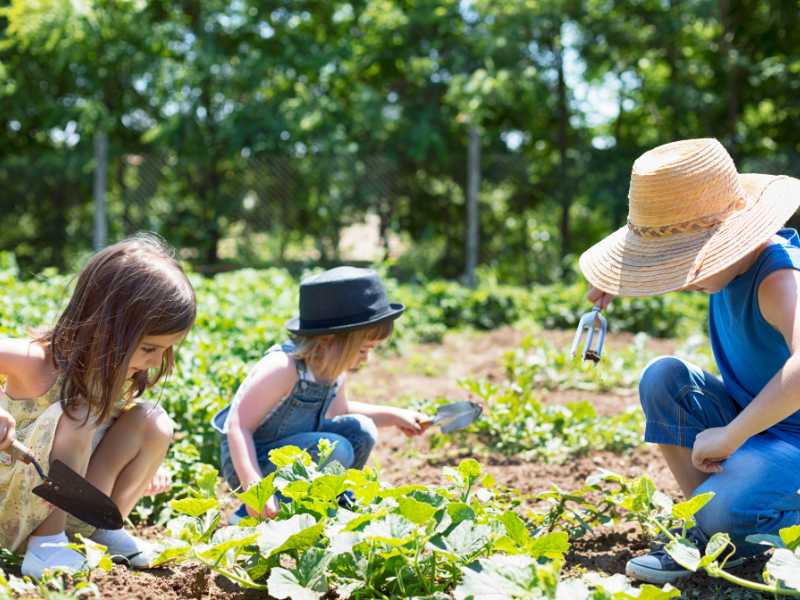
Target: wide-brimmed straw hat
[(342, 299), (690, 216)]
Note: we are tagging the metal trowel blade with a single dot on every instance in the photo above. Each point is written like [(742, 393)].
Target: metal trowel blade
[(458, 415), (73, 494)]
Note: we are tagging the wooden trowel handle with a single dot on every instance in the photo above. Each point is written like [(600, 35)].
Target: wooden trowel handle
[(20, 451)]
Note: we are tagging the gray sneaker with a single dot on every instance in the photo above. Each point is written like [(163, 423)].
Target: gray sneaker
[(658, 567)]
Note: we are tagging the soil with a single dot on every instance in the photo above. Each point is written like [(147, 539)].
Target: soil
[(433, 370)]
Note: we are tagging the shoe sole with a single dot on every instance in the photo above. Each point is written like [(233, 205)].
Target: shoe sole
[(660, 576)]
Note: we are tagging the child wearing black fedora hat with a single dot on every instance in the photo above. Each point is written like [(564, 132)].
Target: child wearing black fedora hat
[(295, 395)]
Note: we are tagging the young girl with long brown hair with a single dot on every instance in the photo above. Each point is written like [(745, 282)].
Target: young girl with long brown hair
[(72, 394), (296, 394)]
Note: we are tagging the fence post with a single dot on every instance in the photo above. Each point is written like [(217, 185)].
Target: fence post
[(100, 172), (473, 190)]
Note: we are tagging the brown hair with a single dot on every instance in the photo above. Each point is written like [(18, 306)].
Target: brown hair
[(317, 352), (125, 292)]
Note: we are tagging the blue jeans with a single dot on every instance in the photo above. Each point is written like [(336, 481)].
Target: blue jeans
[(757, 490), (354, 436)]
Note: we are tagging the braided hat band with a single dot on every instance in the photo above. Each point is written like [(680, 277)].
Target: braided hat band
[(690, 216)]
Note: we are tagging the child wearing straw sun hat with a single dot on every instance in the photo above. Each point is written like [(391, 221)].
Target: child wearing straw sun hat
[(296, 394), (695, 223)]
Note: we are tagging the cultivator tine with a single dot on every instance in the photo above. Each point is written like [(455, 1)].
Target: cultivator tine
[(594, 325)]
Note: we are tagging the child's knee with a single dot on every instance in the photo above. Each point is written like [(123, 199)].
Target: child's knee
[(366, 432), (725, 513), (155, 425), (658, 379)]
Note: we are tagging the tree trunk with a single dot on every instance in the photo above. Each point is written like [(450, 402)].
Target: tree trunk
[(734, 74), (563, 145), (100, 176), (124, 195), (473, 190), (674, 72)]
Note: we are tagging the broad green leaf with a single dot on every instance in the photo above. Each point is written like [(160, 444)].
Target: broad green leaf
[(684, 553), (257, 496), (552, 545), (96, 554), (296, 533), (229, 538), (343, 542), (618, 587), (459, 511), (169, 554), (639, 497), (328, 487), (790, 536), (467, 539), (651, 592), (360, 520), (194, 507), (785, 567), (311, 568), (206, 479), (686, 510), (393, 529), (715, 547), (515, 528), (282, 583), (415, 511), (296, 490), (403, 490), (287, 455), (499, 578)]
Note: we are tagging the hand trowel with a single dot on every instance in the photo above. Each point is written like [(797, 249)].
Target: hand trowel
[(454, 416), (65, 489)]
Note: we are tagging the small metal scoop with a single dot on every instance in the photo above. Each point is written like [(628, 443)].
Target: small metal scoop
[(456, 415), (70, 492), (594, 324)]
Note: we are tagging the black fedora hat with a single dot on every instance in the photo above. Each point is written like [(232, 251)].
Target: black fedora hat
[(342, 299)]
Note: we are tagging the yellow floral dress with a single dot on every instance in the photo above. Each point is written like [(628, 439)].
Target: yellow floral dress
[(22, 511)]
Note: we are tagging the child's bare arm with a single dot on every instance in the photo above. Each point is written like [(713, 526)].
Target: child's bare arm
[(408, 421), (274, 379), (778, 298), (22, 365)]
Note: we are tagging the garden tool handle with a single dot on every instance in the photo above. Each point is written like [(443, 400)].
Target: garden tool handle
[(20, 451), (427, 422)]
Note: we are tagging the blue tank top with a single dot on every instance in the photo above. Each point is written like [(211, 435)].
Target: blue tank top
[(748, 350)]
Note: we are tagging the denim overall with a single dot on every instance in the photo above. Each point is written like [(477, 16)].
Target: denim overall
[(757, 490), (299, 420)]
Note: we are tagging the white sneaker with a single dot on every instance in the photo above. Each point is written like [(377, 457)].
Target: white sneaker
[(57, 558), (120, 544)]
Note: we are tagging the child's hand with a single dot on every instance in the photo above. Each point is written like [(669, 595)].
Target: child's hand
[(410, 422), (270, 509), (598, 296), (711, 448), (7, 429), (161, 482)]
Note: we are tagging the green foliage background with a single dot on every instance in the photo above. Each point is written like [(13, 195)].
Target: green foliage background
[(275, 124)]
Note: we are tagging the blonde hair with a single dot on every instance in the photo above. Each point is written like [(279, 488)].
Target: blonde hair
[(331, 355)]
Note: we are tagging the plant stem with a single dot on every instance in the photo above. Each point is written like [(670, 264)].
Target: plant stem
[(417, 569), (753, 585), (240, 580)]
